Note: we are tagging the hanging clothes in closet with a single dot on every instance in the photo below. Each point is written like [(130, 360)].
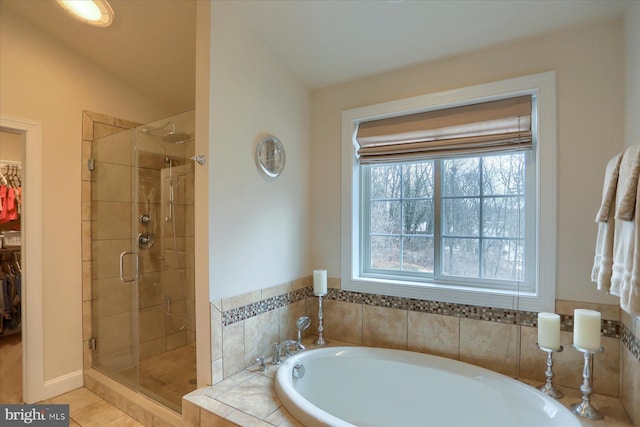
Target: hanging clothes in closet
[(10, 270), (11, 295), (10, 193)]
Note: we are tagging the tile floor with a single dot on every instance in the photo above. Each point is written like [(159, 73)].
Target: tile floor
[(170, 375), (87, 409)]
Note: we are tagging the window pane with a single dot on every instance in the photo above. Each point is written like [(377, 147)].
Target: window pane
[(385, 252), (418, 217), (418, 180), (461, 177), (385, 217), (503, 216), (460, 257), (385, 182), (503, 175), (460, 217), (417, 254), (503, 259), (481, 223)]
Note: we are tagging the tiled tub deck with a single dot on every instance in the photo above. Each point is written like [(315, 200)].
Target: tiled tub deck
[(248, 398)]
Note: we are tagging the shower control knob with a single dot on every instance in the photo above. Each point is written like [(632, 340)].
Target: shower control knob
[(263, 366), (145, 240)]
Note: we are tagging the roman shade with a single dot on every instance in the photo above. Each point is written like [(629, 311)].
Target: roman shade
[(495, 126)]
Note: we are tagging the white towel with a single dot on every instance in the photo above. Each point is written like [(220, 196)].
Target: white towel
[(627, 183), (625, 278), (629, 290), (603, 259), (609, 188)]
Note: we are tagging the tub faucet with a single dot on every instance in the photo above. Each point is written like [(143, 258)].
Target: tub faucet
[(277, 350)]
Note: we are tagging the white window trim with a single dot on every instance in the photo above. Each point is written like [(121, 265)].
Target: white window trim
[(544, 88)]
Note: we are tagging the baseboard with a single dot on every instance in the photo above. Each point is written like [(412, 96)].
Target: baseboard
[(61, 384)]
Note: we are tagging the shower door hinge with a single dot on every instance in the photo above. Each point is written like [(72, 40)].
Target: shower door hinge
[(92, 343), (91, 164)]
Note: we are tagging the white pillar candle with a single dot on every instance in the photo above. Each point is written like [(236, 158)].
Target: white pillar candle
[(549, 330), (320, 282), (586, 329)]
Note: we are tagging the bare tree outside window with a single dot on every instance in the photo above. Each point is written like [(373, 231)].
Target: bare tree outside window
[(479, 226)]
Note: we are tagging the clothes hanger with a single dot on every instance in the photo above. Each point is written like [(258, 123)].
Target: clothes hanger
[(18, 178), (3, 179), (14, 175)]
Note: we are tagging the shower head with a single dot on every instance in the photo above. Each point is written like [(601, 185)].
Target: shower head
[(168, 133), (176, 137), (302, 323)]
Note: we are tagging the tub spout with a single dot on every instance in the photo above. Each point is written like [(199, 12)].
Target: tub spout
[(284, 345)]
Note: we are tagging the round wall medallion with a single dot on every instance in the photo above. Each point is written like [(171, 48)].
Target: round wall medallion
[(270, 156)]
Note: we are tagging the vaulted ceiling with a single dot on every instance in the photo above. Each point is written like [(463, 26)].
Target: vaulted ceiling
[(151, 44)]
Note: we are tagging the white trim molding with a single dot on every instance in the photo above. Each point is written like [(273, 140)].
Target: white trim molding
[(62, 384)]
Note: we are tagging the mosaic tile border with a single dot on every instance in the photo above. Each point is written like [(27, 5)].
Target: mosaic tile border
[(500, 315), (630, 341), (248, 311), (610, 328)]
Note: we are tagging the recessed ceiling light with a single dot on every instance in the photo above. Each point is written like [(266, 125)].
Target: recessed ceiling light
[(92, 12)]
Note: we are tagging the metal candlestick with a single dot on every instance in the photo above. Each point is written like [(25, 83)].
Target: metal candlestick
[(321, 340), (584, 407), (548, 387)]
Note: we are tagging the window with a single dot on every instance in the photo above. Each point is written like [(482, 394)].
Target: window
[(432, 216), (452, 220)]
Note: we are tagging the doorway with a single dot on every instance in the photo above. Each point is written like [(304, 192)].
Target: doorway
[(11, 281)]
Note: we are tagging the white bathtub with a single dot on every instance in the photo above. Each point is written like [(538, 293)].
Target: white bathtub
[(366, 387)]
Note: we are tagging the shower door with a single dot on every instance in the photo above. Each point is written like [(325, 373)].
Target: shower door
[(114, 303), (143, 319)]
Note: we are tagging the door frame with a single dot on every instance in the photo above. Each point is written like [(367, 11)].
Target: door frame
[(33, 384)]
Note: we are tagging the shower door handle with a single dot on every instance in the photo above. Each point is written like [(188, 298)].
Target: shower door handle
[(122, 276)]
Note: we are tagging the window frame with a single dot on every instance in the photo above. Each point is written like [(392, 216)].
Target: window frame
[(541, 296)]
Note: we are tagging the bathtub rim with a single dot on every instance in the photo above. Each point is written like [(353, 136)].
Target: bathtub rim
[(310, 415)]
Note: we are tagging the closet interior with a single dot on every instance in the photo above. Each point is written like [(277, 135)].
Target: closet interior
[(11, 283)]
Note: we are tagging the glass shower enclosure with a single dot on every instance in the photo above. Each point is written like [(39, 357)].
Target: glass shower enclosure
[(143, 315)]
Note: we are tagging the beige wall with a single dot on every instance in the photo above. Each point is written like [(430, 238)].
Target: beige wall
[(589, 65), (258, 226), (632, 87), (42, 80)]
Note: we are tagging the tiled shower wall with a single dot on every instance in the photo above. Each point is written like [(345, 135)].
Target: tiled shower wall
[(245, 327), (106, 195)]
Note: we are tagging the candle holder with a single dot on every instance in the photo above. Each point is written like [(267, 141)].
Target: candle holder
[(320, 340), (548, 387), (584, 407)]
